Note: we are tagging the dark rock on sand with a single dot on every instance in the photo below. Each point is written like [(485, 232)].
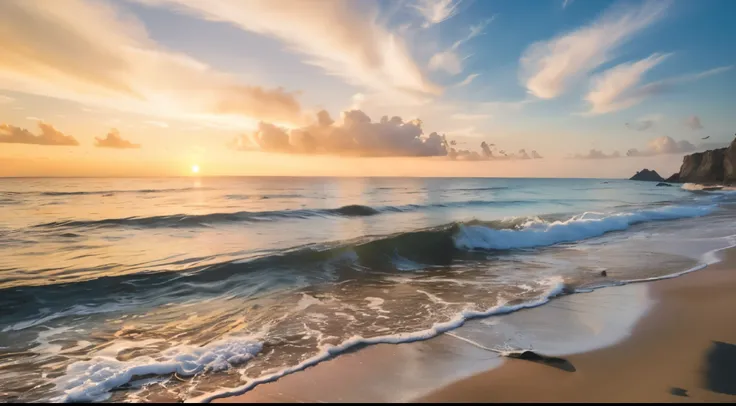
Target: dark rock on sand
[(678, 391), (647, 175), (604, 273), (720, 363), (663, 184), (555, 362)]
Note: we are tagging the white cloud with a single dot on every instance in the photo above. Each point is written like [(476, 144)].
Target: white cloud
[(549, 67), (468, 80), (33, 118), (334, 35), (663, 145), (436, 11), (93, 53), (616, 88), (693, 123), (566, 3), (447, 61)]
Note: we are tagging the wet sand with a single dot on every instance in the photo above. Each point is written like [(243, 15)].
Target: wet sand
[(683, 350), (668, 340)]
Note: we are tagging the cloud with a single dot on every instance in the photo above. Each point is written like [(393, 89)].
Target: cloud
[(549, 67), (343, 38), (617, 88), (566, 3), (356, 135), (663, 145), (10, 134), (468, 80), (489, 152), (597, 154), (436, 11), (114, 140), (463, 116), (693, 123), (93, 53), (6, 99), (645, 123), (449, 60)]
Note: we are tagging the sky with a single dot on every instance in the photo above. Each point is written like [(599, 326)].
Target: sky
[(499, 88)]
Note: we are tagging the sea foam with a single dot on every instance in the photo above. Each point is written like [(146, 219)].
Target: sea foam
[(538, 233)]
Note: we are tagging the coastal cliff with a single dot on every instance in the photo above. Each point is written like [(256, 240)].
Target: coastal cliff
[(708, 167)]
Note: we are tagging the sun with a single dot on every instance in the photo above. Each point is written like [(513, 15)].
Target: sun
[(195, 168)]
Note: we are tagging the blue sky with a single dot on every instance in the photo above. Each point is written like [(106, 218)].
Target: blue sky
[(559, 77)]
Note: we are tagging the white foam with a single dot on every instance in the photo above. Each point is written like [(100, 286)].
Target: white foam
[(328, 351), (587, 225), (375, 303), (92, 380)]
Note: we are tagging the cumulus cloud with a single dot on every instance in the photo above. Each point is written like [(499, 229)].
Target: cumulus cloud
[(645, 123), (663, 145), (49, 135), (597, 154), (693, 123), (436, 11), (343, 38), (93, 53), (355, 135), (489, 152), (549, 67), (114, 140)]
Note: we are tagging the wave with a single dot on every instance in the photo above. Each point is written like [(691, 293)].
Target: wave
[(587, 225), (694, 187)]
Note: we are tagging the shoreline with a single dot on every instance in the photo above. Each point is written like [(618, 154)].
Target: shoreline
[(684, 349), (462, 369)]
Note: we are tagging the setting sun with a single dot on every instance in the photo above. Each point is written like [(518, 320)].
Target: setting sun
[(195, 168)]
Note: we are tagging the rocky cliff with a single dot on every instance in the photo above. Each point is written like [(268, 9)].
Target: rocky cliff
[(712, 166)]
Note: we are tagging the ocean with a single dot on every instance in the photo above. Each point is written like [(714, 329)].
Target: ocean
[(180, 289)]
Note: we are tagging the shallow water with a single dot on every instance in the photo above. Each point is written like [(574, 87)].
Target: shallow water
[(171, 289)]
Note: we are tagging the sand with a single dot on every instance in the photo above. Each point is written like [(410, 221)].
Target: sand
[(683, 350), (669, 340)]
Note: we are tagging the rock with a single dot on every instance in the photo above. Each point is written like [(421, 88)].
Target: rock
[(604, 273), (647, 175), (675, 178), (709, 167), (663, 184)]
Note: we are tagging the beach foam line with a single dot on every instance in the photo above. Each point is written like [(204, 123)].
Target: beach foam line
[(556, 287), (537, 233)]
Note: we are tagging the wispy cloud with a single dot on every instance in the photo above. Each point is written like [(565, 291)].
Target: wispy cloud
[(436, 11), (49, 135), (469, 79), (617, 88), (6, 99), (114, 140), (566, 3), (693, 123), (549, 67), (342, 39), (597, 154), (93, 53), (449, 60)]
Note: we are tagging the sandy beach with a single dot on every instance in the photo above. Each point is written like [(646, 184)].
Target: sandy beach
[(683, 350), (667, 340)]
